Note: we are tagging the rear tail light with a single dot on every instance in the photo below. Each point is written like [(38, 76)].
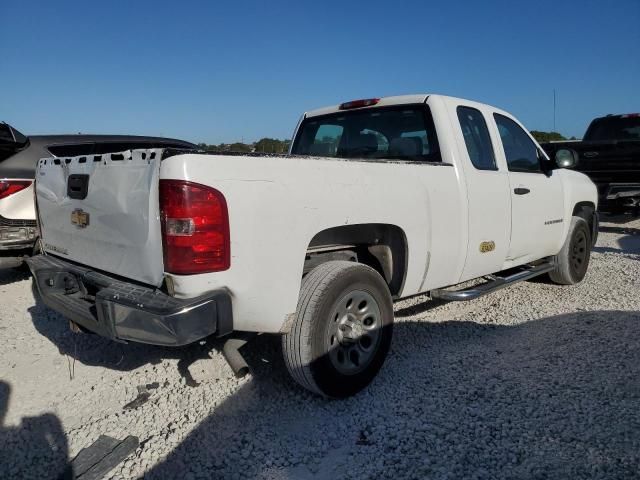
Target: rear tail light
[(195, 228), (9, 187)]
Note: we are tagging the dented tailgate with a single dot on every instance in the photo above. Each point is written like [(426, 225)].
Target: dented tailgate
[(102, 211)]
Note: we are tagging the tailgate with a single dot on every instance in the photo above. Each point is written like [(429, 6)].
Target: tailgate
[(102, 211)]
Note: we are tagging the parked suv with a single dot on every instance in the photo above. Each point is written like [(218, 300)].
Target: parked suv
[(18, 157)]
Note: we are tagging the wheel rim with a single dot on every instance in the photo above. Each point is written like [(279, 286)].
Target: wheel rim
[(579, 251), (354, 332)]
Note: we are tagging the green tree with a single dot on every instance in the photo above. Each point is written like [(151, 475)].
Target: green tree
[(239, 147), (208, 148), (543, 137), (272, 145)]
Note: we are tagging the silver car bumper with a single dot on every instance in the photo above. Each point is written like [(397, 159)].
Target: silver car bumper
[(17, 234)]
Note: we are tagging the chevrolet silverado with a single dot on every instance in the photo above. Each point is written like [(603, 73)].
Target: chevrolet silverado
[(378, 199)]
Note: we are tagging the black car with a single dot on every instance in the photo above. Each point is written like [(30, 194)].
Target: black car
[(18, 157)]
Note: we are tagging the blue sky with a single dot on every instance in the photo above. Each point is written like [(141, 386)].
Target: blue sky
[(227, 71)]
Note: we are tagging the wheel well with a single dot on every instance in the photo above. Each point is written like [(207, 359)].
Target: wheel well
[(587, 210), (381, 246), (584, 210)]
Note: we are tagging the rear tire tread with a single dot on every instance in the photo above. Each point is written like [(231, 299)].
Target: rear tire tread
[(297, 343), (310, 293), (563, 274)]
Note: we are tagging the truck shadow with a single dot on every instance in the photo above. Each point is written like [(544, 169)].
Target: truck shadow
[(36, 442), (631, 252), (619, 218), (551, 398), (619, 230), (94, 350), (628, 241), (10, 275)]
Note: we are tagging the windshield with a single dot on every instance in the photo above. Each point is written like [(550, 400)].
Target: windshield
[(614, 128), (400, 132)]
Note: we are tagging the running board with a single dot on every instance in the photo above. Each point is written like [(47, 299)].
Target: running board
[(495, 283)]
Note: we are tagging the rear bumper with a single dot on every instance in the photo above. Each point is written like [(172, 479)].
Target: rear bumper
[(612, 195), (622, 190), (125, 311)]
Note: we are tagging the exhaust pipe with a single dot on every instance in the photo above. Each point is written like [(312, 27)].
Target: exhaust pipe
[(231, 352)]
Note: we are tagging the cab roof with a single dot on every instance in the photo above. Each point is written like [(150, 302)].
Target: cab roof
[(381, 102), (398, 100)]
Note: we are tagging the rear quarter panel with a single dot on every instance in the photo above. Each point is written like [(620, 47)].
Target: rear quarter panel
[(277, 205)]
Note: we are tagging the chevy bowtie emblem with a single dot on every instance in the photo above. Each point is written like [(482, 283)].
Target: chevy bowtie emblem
[(80, 218), (487, 247)]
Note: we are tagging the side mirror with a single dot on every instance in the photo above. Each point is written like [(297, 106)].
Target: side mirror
[(566, 158)]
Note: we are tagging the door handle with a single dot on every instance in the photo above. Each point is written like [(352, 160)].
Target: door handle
[(521, 191)]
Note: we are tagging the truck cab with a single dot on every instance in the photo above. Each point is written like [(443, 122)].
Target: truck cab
[(513, 197)]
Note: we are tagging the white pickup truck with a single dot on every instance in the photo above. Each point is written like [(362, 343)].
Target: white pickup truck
[(378, 199)]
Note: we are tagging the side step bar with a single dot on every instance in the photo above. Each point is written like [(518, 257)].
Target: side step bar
[(494, 283)]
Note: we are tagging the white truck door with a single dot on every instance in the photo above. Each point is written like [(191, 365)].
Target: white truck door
[(537, 202), (487, 184)]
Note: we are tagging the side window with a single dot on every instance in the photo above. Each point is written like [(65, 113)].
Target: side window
[(521, 152), (476, 138)]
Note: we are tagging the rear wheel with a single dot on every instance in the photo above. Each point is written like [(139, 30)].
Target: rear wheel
[(573, 260), (342, 330)]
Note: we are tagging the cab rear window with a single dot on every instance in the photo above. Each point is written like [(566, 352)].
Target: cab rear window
[(400, 132), (620, 127)]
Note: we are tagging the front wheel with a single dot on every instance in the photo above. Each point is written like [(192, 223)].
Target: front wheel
[(342, 329), (573, 260)]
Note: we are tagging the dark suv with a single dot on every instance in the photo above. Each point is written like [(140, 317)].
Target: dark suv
[(18, 157)]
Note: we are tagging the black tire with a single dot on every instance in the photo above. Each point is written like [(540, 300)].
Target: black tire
[(573, 260), (319, 336)]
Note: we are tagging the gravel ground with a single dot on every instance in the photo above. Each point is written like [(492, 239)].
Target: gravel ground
[(535, 381)]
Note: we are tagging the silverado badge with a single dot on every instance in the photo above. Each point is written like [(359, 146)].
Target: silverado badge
[(79, 218), (487, 247)]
